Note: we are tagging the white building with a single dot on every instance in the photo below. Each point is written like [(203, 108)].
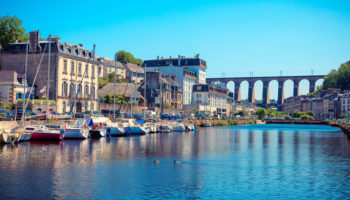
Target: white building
[(211, 99), (188, 71), (345, 104)]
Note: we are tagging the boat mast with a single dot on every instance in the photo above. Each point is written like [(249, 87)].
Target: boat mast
[(144, 92), (25, 79), (92, 83), (115, 81), (71, 81), (48, 81)]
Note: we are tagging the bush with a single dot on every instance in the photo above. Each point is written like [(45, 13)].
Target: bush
[(304, 117), (287, 117)]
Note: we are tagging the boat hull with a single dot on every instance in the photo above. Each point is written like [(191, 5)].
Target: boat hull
[(76, 133), (45, 136), (97, 133), (135, 130), (115, 132)]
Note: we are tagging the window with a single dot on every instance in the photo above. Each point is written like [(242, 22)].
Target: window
[(65, 66), (86, 91), (64, 107), (72, 90), (72, 68), (93, 92), (93, 71), (86, 70), (79, 69), (64, 89), (79, 91), (86, 106)]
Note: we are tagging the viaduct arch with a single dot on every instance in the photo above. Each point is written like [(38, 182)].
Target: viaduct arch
[(266, 80)]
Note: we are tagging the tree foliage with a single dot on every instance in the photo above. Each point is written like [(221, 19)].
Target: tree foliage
[(261, 112), (339, 79), (123, 56), (11, 29)]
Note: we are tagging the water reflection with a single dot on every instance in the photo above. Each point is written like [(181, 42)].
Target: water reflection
[(241, 162)]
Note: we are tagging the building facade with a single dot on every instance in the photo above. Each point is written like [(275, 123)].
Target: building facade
[(188, 71), (12, 87), (73, 81), (108, 66), (345, 104), (214, 100), (134, 73), (163, 92)]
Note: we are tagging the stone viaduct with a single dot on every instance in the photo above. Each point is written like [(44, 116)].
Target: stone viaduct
[(266, 80)]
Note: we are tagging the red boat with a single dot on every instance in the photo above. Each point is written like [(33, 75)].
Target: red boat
[(44, 132)]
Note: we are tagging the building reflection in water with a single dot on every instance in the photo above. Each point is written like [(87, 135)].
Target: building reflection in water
[(222, 159)]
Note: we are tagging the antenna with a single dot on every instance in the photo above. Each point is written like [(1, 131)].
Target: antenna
[(281, 73), (312, 72)]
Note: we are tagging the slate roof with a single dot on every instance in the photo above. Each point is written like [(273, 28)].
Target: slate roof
[(134, 68), (120, 89)]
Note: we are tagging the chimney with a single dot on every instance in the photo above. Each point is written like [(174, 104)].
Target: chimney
[(55, 38), (34, 46), (157, 57), (179, 60), (198, 56)]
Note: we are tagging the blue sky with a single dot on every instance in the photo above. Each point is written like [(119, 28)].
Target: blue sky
[(234, 37)]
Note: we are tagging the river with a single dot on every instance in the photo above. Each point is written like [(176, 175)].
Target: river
[(241, 162)]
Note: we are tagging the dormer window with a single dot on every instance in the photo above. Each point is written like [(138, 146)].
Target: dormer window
[(77, 51), (84, 53), (69, 50), (62, 47)]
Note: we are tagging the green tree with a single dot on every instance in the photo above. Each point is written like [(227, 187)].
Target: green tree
[(11, 29), (107, 98), (297, 113), (339, 79), (310, 113), (123, 56), (240, 113), (261, 112)]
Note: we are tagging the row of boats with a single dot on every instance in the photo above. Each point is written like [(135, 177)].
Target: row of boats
[(85, 128)]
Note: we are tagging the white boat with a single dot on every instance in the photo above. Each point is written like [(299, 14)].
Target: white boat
[(190, 127), (9, 138), (114, 129), (178, 128), (164, 129), (207, 125), (75, 133), (97, 132), (135, 130)]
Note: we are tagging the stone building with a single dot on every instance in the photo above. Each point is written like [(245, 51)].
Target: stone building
[(12, 87), (108, 66), (73, 71), (163, 92), (134, 73)]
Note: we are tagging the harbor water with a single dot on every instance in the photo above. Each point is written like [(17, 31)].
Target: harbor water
[(241, 162)]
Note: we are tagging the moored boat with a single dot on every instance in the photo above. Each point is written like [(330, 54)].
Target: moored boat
[(76, 133), (164, 129), (45, 132), (178, 128)]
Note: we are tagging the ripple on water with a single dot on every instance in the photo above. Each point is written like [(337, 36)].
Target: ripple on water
[(243, 162)]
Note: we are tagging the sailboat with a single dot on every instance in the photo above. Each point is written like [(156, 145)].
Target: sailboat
[(14, 133), (45, 131)]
